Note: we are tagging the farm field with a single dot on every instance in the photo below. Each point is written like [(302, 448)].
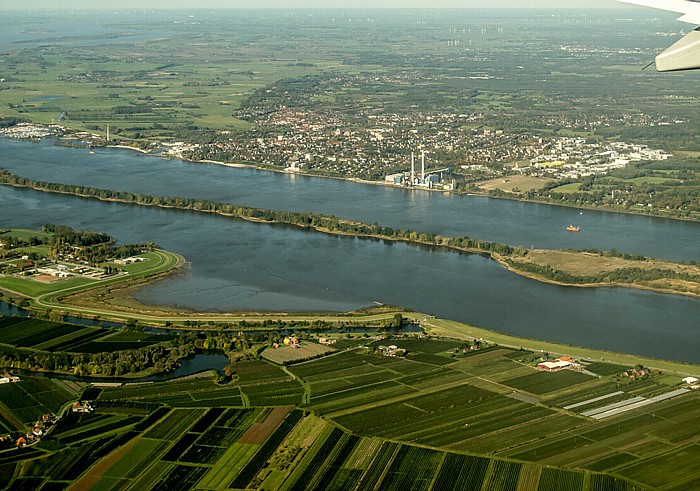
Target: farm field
[(264, 384), (485, 419), (287, 354), (473, 404), (43, 335), (27, 400), (201, 392)]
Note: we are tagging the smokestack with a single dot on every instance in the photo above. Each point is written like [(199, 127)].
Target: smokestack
[(413, 168), (422, 159), (108, 133)]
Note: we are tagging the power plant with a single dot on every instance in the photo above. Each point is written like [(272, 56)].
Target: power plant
[(430, 180)]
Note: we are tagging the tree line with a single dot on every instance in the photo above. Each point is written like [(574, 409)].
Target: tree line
[(316, 221), (621, 275)]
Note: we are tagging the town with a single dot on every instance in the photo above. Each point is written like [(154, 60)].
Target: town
[(378, 147)]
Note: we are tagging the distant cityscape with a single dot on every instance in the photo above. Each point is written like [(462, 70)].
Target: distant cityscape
[(309, 143)]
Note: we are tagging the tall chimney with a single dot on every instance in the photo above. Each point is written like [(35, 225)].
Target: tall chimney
[(422, 158), (413, 168)]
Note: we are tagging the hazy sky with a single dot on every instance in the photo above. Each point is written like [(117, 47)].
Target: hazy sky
[(345, 4)]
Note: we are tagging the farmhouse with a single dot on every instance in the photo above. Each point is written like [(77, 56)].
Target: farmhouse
[(693, 382), (392, 350), (637, 372), (82, 407), (7, 380), (291, 341), (326, 341), (558, 364)]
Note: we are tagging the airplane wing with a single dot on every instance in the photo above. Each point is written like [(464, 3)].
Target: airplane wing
[(685, 54)]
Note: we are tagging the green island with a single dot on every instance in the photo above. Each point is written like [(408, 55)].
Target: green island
[(307, 401)]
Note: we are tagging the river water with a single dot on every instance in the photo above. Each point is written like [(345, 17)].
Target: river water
[(236, 265), (508, 222)]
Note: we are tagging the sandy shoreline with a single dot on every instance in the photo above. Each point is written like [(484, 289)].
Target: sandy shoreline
[(137, 149)]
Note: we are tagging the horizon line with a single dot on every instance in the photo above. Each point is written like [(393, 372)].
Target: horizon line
[(150, 8)]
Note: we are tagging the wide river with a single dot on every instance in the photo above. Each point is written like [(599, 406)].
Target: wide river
[(504, 221), (236, 265)]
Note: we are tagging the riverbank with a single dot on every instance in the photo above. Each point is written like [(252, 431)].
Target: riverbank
[(432, 326), (661, 213), (453, 329)]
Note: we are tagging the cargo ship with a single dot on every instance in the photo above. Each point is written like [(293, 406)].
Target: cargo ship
[(571, 228)]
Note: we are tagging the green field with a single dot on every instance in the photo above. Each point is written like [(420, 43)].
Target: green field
[(492, 404), (27, 400), (32, 288), (286, 354), (42, 335)]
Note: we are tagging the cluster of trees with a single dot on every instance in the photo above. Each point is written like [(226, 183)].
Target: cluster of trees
[(161, 357), (92, 247), (669, 192), (106, 364), (103, 252), (11, 242), (8, 122), (62, 234), (615, 253), (136, 109), (622, 275)]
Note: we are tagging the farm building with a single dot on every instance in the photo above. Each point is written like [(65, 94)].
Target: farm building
[(7, 380), (82, 407), (392, 350), (637, 372), (291, 341), (692, 381), (57, 273), (552, 366), (129, 260)]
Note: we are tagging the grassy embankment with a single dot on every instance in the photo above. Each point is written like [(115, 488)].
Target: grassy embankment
[(459, 330)]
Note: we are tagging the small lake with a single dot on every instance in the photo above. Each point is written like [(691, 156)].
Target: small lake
[(200, 362)]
